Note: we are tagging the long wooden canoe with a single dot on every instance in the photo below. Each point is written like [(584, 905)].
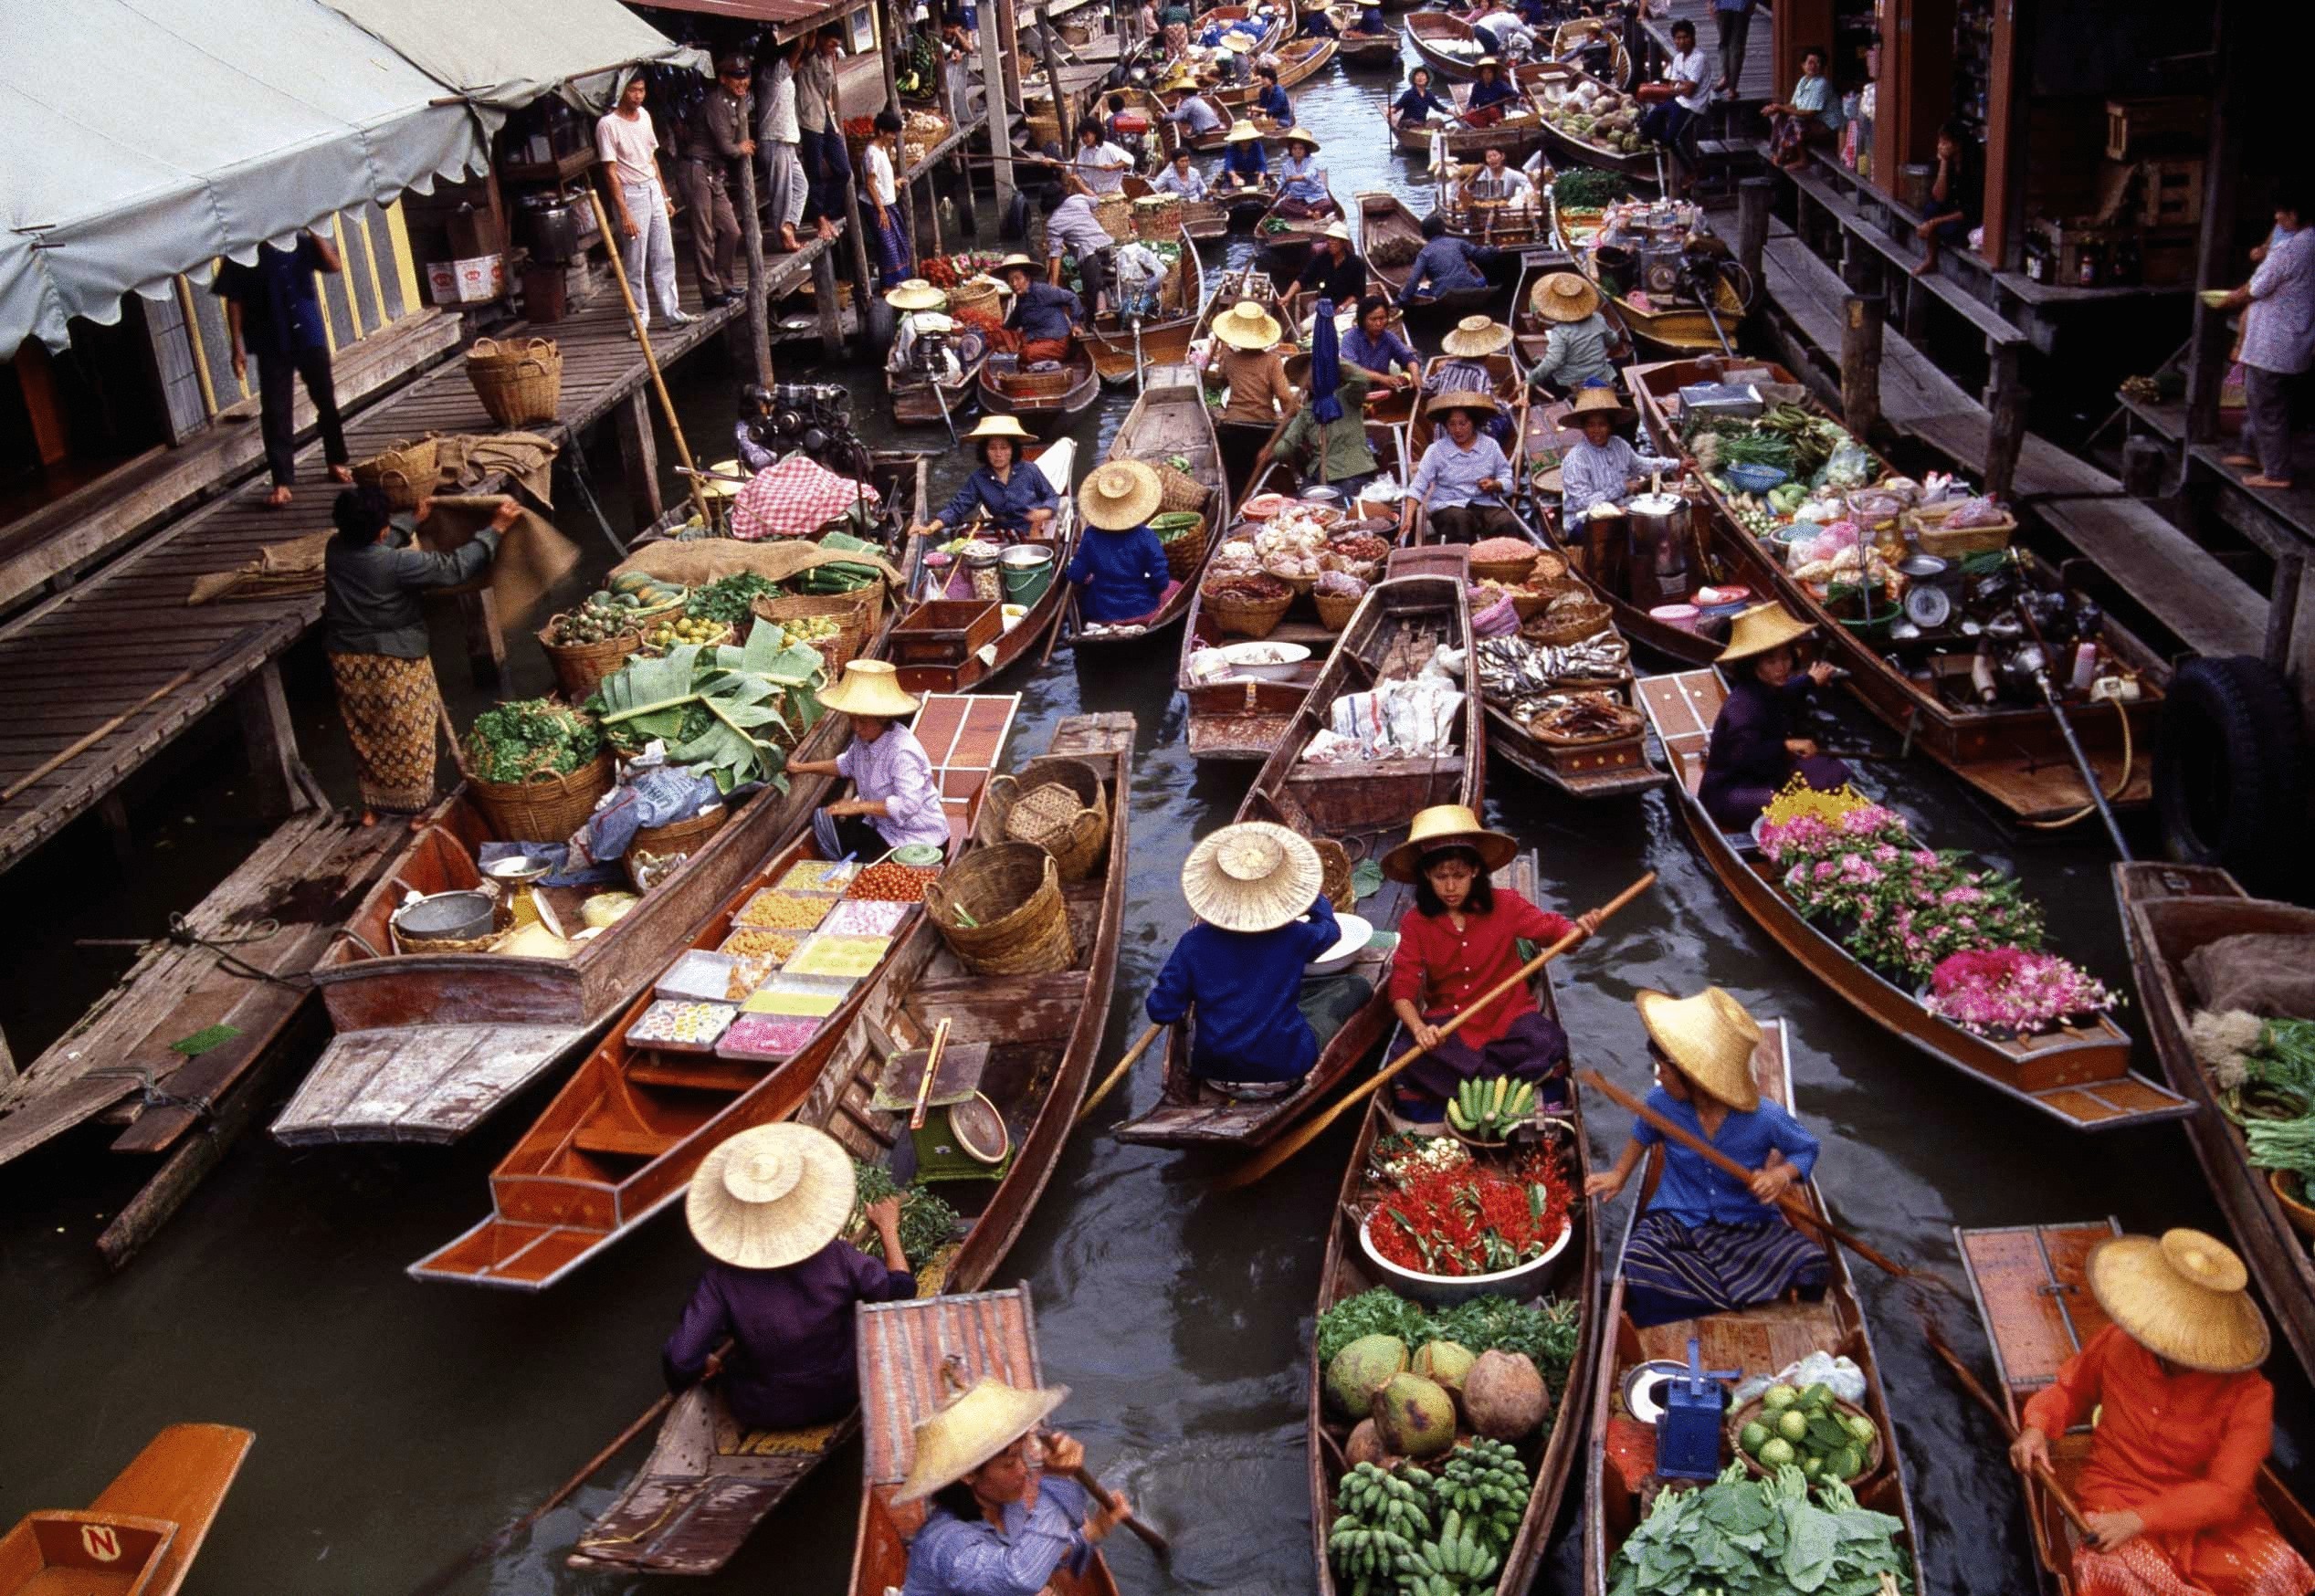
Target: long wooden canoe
[(139, 1537), (2013, 753), (1169, 422), (1299, 59), (2079, 1076), (1367, 808), (1518, 134), (2033, 1296), (1667, 328), (1574, 1277), (933, 652), (1040, 403), (1362, 50), (1644, 165), (1759, 1340), (709, 1482), (1268, 42), (1430, 32), (2169, 911), (1385, 217), (1119, 351)]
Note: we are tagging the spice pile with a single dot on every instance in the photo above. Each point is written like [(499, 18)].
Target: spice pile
[(1470, 1218)]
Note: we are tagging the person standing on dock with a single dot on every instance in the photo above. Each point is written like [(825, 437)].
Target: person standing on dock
[(629, 146), (2278, 343), (1460, 483), (1684, 93), (719, 137), (374, 629), (273, 310), (893, 254), (781, 140), (1732, 19), (818, 118)]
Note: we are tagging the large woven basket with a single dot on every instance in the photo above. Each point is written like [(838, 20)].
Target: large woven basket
[(579, 668), (1571, 624), (1336, 881), (973, 293), (1059, 804), (664, 846), (520, 381), (1335, 609), (1115, 213), (858, 610), (547, 810), (1183, 554), (1157, 217), (1000, 910), (1051, 384), (1512, 571), (404, 472), (1178, 490), (1244, 618), (1933, 537)]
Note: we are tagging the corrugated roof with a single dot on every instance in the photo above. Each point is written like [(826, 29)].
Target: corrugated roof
[(786, 18), (905, 1346)]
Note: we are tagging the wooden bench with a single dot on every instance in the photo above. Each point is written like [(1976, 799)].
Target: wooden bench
[(1998, 329)]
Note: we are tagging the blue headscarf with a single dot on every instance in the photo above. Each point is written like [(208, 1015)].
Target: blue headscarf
[(1326, 364)]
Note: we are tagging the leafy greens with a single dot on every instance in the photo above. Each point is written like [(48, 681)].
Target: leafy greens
[(1743, 1537), (729, 713)]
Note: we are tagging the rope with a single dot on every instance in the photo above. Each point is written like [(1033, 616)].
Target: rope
[(182, 933), (149, 1095), (2121, 783)]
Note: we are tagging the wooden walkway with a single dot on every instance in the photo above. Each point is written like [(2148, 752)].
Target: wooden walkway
[(123, 643), (1757, 86)]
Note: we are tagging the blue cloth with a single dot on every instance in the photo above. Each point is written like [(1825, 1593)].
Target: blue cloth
[(659, 797), (280, 308), (1326, 362), (1298, 179), (1123, 573), (1046, 311), (952, 1558), (1378, 354), (1370, 20), (1675, 1270), (1244, 985), (1248, 161), (1273, 104), (1494, 92), (1444, 265), (1008, 502), (1696, 1192)]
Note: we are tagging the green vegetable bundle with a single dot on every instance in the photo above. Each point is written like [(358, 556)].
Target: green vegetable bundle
[(927, 1222), (730, 600), (530, 738), (1755, 448), (1587, 188), (1546, 1334), (1742, 1536), (827, 579)]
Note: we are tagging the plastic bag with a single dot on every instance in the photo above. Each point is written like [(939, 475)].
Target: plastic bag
[(1850, 467), (1847, 1379)]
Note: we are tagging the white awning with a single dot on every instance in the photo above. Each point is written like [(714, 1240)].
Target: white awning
[(504, 54)]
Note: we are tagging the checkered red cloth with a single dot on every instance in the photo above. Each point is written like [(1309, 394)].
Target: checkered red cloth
[(795, 499)]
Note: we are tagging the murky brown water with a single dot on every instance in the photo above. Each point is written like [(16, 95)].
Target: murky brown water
[(399, 1423)]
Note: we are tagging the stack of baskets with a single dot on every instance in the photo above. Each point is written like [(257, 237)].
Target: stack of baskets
[(1335, 609), (1566, 622), (859, 611), (404, 472), (1000, 910), (1115, 213), (547, 808), (520, 380), (1157, 218), (1059, 804), (1238, 616)]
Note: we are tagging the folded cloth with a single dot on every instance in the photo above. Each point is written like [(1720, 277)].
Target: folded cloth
[(2271, 975), (466, 460), (278, 571), (699, 561), (793, 499)]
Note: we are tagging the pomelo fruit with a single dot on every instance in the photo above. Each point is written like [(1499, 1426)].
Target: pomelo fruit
[(1414, 1416), (1362, 1369), (1504, 1395)]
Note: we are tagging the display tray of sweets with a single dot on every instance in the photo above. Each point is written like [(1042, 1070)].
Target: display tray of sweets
[(767, 1038), (890, 883), (838, 957), (702, 976), (786, 994), (774, 911), (681, 1025), (866, 917), (825, 877)]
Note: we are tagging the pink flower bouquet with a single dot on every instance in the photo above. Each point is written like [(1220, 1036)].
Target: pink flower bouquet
[(2010, 990)]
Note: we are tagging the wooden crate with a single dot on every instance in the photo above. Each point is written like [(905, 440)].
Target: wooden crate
[(2170, 192), (944, 632), (2169, 256), (2133, 127)]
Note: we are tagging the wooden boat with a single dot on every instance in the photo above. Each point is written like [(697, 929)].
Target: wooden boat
[(1430, 32), (1287, 247), (709, 1482), (1576, 37), (1354, 48), (1270, 41), (429, 1044), (1400, 620), (1574, 1275), (2013, 753), (2079, 1075), (1168, 421), (1119, 351), (1760, 1340), (1044, 402), (1299, 59), (1560, 82), (1169, 136), (957, 644), (1383, 218), (2031, 1287), (2168, 912), (139, 1537), (1673, 330), (918, 398), (1520, 134)]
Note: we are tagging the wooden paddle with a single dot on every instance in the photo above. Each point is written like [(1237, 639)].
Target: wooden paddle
[(1795, 1206), (1108, 1498), (1286, 1147), (1984, 1399), (1132, 1053)]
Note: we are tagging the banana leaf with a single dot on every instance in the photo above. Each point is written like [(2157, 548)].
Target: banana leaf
[(759, 700)]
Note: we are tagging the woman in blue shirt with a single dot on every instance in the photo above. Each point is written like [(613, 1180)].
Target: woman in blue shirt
[(1271, 99), (1016, 494), (1303, 189), (1708, 1243), (1244, 163), (1120, 569), (1254, 887), (1374, 348), (1810, 117), (1492, 90), (1420, 103)]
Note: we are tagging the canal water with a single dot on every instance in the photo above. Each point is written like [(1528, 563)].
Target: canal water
[(400, 1423)]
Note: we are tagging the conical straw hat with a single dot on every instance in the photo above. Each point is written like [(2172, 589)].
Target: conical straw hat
[(971, 1430), (1564, 296), (1711, 1038), (1477, 335), (1245, 325), (771, 1196), (1594, 401), (1251, 876), (1008, 426), (1120, 494), (2182, 1298), (916, 294), (871, 686), (1760, 629), (1299, 134), (1461, 399), (1447, 825), (1242, 132)]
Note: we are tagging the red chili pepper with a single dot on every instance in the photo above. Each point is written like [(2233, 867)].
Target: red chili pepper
[(1475, 1219)]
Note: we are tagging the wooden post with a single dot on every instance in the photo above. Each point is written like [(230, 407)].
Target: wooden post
[(824, 297), (2282, 609), (271, 741), (2215, 266), (1754, 196), (998, 102), (639, 456), (1861, 317), (1053, 84), (2005, 419), (751, 234), (2145, 462)]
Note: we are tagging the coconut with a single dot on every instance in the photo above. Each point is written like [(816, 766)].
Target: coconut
[(1362, 1369), (1365, 1445), (1505, 1396), (1445, 1362), (1414, 1416)]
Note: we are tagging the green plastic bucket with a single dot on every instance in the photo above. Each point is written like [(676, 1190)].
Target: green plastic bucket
[(1027, 572)]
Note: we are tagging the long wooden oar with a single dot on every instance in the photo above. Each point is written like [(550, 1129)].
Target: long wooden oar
[(1140, 1046), (1277, 1152), (1102, 1494), (1984, 1399), (1794, 1205)]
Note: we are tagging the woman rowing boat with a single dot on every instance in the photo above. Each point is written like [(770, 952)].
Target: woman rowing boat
[(895, 800), (1757, 748)]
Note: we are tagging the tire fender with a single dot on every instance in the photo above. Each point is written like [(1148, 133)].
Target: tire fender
[(2230, 770)]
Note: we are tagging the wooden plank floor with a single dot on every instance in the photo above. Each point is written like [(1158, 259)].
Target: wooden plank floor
[(103, 646), (1757, 85)]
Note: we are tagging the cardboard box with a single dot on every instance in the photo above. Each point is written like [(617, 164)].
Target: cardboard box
[(474, 281)]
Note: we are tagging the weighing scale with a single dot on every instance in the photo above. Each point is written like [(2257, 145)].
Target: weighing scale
[(958, 1133)]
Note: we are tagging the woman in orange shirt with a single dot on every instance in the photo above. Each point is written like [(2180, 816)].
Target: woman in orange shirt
[(2187, 1420)]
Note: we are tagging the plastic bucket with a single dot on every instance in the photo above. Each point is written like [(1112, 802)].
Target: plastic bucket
[(1028, 574)]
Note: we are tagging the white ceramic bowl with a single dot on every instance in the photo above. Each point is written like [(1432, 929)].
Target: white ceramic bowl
[(1446, 1290), (1356, 933), (1273, 662)]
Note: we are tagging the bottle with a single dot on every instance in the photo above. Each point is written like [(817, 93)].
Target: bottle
[(1982, 676), (2085, 665)]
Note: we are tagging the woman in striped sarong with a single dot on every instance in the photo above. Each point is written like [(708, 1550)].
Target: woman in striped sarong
[(1708, 1243)]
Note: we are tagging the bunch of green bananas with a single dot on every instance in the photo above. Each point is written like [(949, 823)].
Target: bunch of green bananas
[(1486, 1482), (1459, 1560), (1384, 1517), (1491, 1110)]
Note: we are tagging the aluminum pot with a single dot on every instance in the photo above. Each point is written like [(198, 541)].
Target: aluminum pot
[(1658, 532), (447, 917)]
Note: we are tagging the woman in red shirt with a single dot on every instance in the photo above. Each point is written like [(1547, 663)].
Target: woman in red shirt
[(1462, 939)]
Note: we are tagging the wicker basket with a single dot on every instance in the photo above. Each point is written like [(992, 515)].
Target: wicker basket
[(1336, 609), (1053, 384), (1059, 806), (1534, 600), (727, 634), (1157, 217), (1000, 910), (520, 381), (676, 840), (547, 810), (1335, 873), (975, 293), (1571, 624), (579, 668), (1247, 618), (1930, 531), (1512, 572), (1178, 490), (404, 472), (1186, 554), (858, 610), (1115, 213)]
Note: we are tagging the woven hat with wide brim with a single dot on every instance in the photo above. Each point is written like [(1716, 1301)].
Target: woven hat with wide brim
[(916, 294), (1760, 629), (1297, 134), (1120, 494), (2181, 1297), (1338, 230), (770, 1197), (1004, 426), (1253, 876), (1711, 1039), (971, 1430), (1242, 132), (1443, 827), (1245, 325), (870, 687), (1477, 335), (1598, 402), (1010, 261), (1461, 399), (1564, 296)]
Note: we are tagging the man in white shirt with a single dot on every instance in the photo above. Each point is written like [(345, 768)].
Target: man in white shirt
[(1102, 164), (1513, 40), (1689, 75), (893, 250), (629, 145), (1072, 228), (1497, 179), (780, 139)]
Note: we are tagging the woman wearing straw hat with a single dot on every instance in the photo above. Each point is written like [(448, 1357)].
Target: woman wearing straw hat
[(1603, 468), (1302, 191), (1576, 349), (1010, 491), (2171, 1480), (769, 1207), (895, 801), (1120, 567), (1463, 368), (1335, 271), (1244, 351), (1462, 476), (1462, 939), (1755, 747), (1004, 1518), (1255, 888), (1489, 94), (1245, 163), (1708, 1243)]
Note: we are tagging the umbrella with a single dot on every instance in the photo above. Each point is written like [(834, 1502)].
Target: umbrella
[(1326, 364)]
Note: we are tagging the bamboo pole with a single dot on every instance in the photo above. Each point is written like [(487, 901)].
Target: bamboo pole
[(650, 361)]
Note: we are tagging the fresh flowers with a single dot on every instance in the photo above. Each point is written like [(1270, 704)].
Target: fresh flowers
[(1993, 990), (1472, 1218)]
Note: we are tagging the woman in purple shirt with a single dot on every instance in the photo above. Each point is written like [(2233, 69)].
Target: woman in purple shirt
[(895, 802), (769, 1206)]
